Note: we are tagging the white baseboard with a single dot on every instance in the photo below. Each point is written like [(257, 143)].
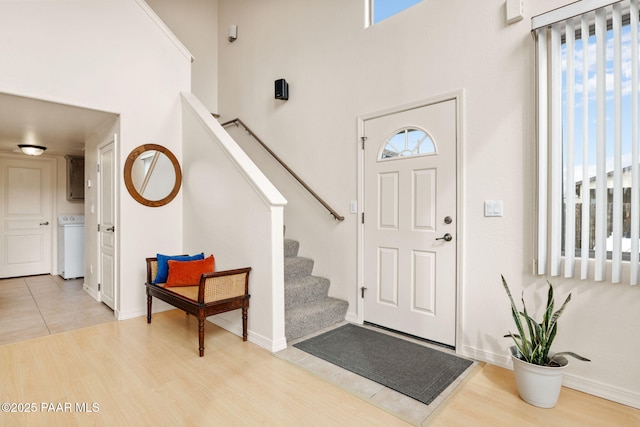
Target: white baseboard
[(93, 292), (351, 317), (253, 337), (270, 345), (232, 326), (605, 391), (277, 345), (130, 314), (489, 357), (585, 385), (158, 307), (226, 325)]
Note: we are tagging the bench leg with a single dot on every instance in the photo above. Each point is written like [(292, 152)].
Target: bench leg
[(149, 308), (201, 335), (244, 323)]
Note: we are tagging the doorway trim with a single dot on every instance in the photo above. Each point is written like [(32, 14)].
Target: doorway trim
[(110, 136), (109, 145), (458, 97)]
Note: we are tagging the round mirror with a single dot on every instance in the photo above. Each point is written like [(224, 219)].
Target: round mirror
[(152, 175)]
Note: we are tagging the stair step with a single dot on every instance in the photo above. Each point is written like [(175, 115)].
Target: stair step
[(291, 248), (296, 267), (308, 308), (304, 289), (311, 317)]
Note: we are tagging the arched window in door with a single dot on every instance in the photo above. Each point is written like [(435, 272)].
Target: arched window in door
[(408, 142)]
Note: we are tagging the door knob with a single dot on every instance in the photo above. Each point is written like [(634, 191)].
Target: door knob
[(447, 237)]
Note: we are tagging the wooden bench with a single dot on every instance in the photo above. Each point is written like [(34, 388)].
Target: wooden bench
[(216, 293)]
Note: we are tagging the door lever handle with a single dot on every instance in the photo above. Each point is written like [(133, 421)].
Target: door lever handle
[(44, 223), (447, 237), (112, 228)]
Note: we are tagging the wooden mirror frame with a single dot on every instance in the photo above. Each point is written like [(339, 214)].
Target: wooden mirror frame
[(128, 181)]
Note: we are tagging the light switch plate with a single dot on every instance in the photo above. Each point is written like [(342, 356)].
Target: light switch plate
[(493, 208)]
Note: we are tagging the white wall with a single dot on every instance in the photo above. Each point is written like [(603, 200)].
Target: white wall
[(337, 70), (195, 23), (107, 55)]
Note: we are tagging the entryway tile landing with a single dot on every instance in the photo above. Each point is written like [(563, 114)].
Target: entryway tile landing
[(404, 407)]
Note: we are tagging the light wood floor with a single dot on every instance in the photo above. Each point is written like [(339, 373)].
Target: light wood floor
[(150, 375), (490, 398)]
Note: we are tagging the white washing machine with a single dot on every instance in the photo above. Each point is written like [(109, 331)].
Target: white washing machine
[(71, 246)]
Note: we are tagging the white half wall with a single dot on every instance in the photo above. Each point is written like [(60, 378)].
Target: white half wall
[(232, 211)]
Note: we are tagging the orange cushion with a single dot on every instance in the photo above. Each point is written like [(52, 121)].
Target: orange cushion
[(187, 273)]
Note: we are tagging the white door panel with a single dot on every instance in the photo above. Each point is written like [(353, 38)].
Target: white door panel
[(26, 195), (106, 221), (409, 270)]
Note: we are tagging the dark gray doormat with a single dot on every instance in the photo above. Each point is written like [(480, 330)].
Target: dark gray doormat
[(408, 368)]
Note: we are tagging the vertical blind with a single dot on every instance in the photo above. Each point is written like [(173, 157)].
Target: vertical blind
[(587, 134)]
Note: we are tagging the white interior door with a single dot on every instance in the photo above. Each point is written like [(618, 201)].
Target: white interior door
[(26, 216), (106, 224), (410, 221)]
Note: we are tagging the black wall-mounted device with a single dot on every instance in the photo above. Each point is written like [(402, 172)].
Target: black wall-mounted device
[(282, 89)]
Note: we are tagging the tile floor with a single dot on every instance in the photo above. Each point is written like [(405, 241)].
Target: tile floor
[(393, 402), (34, 306)]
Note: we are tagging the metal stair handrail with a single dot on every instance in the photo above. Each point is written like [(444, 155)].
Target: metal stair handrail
[(239, 122)]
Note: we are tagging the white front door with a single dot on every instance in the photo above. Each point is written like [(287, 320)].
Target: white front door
[(410, 195), (106, 224), (26, 216)]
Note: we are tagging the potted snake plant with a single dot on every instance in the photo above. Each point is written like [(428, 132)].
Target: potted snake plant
[(538, 372)]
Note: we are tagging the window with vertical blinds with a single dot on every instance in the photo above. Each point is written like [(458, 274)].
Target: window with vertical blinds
[(587, 131)]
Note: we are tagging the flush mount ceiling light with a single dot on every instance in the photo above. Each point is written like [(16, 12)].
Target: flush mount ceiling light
[(32, 150)]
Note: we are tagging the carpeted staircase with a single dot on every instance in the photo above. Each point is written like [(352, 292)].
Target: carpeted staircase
[(307, 306)]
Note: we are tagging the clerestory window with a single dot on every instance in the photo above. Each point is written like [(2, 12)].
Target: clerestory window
[(383, 9)]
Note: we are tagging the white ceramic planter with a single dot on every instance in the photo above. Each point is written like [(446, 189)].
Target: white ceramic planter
[(538, 385)]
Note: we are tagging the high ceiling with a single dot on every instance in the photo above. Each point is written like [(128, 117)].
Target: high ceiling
[(63, 129)]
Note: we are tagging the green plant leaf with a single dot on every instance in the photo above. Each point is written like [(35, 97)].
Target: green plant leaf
[(552, 333), (523, 346), (518, 343), (535, 347), (530, 323), (558, 313), (572, 354), (549, 310)]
